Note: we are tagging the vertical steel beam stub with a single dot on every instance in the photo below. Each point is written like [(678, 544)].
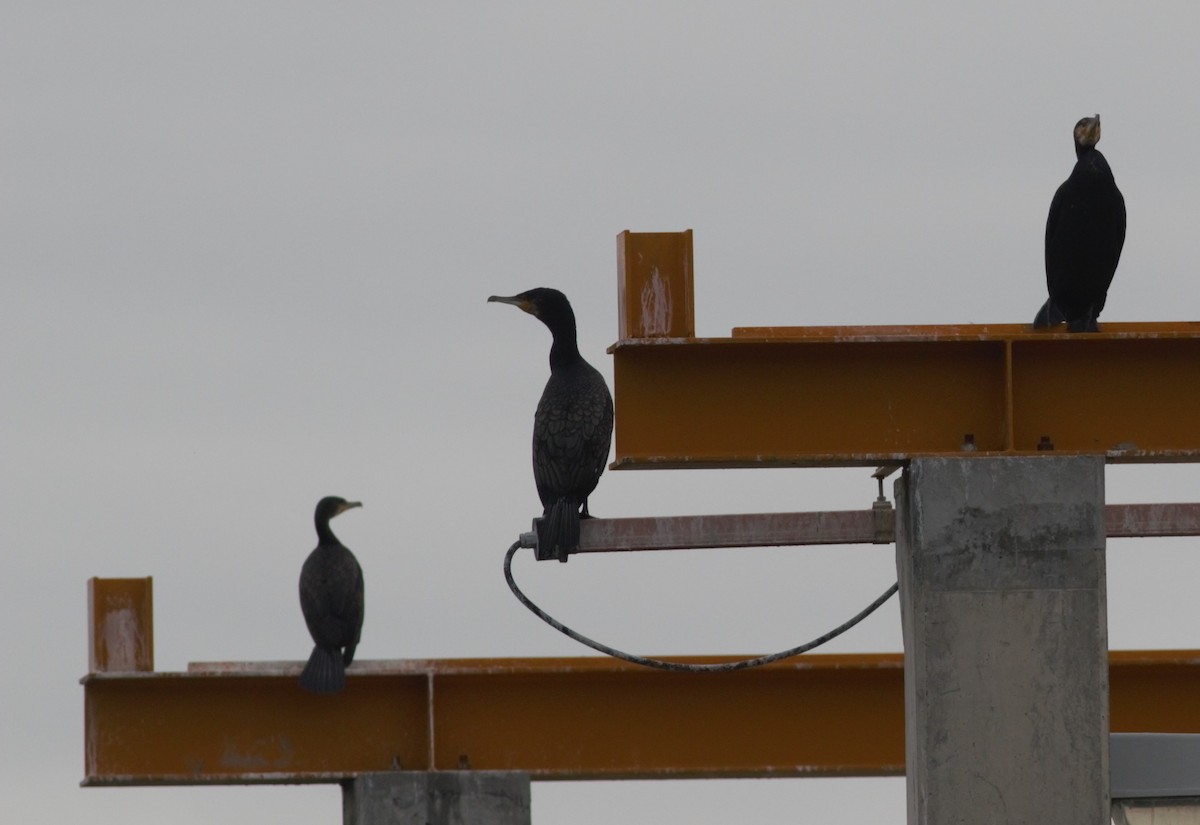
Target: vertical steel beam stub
[(654, 284), (121, 618)]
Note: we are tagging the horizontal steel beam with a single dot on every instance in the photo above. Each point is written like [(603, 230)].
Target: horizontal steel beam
[(861, 395), (874, 526), (742, 530), (581, 718), (1152, 520), (553, 718), (845, 397)]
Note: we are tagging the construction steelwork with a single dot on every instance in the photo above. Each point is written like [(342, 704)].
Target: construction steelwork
[(999, 529)]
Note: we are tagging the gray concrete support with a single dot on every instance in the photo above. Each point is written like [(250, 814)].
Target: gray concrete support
[(1002, 588), (437, 798)]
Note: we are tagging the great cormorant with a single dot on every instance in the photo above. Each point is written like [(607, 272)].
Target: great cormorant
[(331, 597), (572, 427), (1085, 231)]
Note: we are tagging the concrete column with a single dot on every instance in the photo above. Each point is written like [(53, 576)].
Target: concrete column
[(437, 798), (1002, 589)]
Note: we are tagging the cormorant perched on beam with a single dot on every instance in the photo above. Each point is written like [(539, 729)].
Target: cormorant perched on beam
[(572, 427), (331, 597), (1085, 232)]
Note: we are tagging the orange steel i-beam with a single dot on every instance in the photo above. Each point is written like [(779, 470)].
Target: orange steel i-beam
[(578, 718), (121, 612), (570, 718), (845, 396)]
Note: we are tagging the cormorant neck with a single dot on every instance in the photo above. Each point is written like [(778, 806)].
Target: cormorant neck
[(325, 534), (1083, 151), (565, 350)]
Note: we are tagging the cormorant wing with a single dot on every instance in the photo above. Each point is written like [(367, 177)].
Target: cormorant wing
[(331, 597), (1056, 208), (571, 438)]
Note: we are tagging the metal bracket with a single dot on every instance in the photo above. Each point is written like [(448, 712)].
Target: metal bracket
[(882, 510)]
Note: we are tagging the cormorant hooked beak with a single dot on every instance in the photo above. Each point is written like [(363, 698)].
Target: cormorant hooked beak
[(519, 301), (1087, 131), (347, 505)]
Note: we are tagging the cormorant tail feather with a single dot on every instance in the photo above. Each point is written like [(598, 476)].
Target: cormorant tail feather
[(1048, 316), (562, 528), (324, 672)]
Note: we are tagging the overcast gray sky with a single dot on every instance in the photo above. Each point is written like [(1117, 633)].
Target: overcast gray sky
[(244, 255)]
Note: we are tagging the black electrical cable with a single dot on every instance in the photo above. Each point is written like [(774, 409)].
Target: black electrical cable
[(683, 666)]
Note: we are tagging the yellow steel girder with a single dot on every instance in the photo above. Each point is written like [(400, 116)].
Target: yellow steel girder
[(573, 718), (829, 396), (578, 718)]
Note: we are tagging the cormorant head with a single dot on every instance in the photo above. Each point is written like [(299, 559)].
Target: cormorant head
[(331, 506), (543, 303), (1087, 132)]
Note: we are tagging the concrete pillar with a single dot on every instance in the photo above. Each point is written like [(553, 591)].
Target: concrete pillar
[(1002, 589), (437, 798)]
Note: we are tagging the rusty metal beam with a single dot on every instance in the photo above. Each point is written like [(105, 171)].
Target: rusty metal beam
[(659, 265), (833, 527), (182, 728), (121, 612), (1152, 520), (851, 399), (741, 530), (553, 718), (849, 396), (1154, 691), (582, 718)]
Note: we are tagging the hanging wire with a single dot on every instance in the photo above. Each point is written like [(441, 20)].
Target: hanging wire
[(683, 666)]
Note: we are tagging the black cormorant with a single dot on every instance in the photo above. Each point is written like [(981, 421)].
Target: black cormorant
[(572, 427), (1084, 235), (331, 596)]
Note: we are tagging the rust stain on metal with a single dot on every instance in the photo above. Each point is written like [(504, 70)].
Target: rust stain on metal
[(269, 754)]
